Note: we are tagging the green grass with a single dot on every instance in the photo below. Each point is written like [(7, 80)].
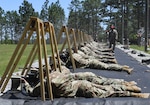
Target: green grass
[(141, 48), (6, 52)]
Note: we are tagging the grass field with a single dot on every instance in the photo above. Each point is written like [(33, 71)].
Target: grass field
[(6, 52), (141, 48)]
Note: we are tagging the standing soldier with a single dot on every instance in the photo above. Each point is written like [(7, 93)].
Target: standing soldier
[(140, 33), (113, 36)]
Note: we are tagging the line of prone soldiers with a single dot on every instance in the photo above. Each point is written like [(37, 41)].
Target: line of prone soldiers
[(86, 84)]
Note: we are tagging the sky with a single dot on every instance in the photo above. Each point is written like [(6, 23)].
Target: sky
[(8, 5)]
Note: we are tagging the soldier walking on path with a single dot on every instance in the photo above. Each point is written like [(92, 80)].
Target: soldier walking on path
[(113, 36)]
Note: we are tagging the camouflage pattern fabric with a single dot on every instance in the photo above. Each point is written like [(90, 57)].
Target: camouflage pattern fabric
[(88, 85), (96, 64), (85, 85)]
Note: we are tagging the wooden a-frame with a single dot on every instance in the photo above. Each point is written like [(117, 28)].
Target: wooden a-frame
[(79, 37), (33, 25), (53, 42), (64, 30), (73, 40)]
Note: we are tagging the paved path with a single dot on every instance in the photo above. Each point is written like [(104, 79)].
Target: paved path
[(136, 54), (140, 72), (140, 75)]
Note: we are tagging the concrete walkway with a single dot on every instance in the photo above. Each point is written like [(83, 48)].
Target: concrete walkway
[(123, 56), (135, 54)]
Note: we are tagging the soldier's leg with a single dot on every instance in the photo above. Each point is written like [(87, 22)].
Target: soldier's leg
[(104, 81), (130, 94), (110, 44), (110, 92), (108, 60), (120, 68), (89, 76), (127, 68), (109, 81), (88, 89), (83, 75), (140, 95), (114, 44), (96, 64), (130, 83), (133, 88), (121, 87)]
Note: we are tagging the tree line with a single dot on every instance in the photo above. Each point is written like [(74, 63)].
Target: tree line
[(12, 23), (90, 16)]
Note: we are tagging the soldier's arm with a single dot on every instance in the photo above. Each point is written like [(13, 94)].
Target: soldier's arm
[(116, 34), (27, 86)]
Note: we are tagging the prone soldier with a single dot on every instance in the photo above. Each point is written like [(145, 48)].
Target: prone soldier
[(96, 64), (87, 84)]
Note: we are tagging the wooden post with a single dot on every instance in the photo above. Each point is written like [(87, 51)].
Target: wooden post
[(46, 63), (50, 29), (14, 61), (42, 87), (64, 29), (72, 32), (30, 59), (78, 37), (56, 47)]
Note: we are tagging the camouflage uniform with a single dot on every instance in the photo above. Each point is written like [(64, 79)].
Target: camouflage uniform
[(98, 46), (96, 64), (87, 84), (96, 50), (90, 52), (113, 36), (84, 84), (98, 57)]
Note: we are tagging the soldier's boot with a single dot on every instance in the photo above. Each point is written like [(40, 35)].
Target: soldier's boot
[(129, 70), (125, 66), (133, 88), (140, 95), (115, 61)]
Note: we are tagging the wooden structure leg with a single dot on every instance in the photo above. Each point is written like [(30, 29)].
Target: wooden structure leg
[(14, 59), (34, 25), (30, 59), (65, 30), (50, 30)]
